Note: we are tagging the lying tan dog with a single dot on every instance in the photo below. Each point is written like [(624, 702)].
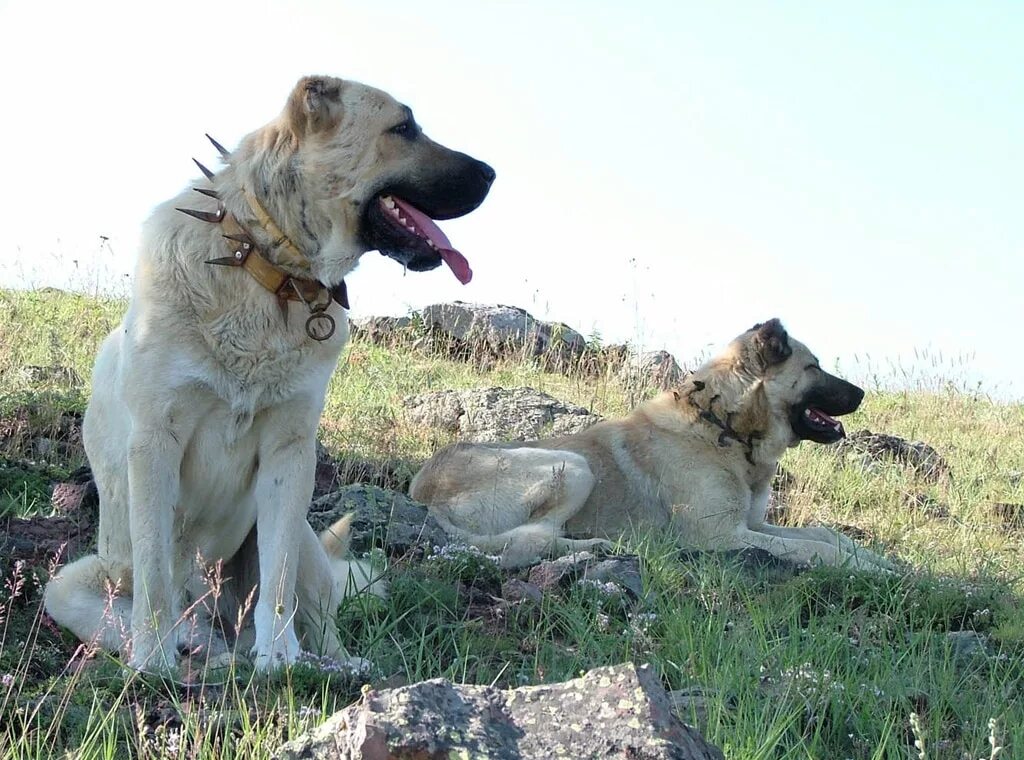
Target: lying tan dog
[(206, 399), (697, 461)]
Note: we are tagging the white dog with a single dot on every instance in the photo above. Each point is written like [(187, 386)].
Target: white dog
[(206, 399)]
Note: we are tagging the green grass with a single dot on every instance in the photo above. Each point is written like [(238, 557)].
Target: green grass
[(817, 664)]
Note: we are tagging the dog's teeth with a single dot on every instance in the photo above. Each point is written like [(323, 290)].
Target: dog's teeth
[(388, 201)]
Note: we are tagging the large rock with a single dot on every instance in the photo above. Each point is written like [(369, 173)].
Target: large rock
[(497, 414), (502, 330), (615, 712), (383, 518), (652, 369), (874, 448)]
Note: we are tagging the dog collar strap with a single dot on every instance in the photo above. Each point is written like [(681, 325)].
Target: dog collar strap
[(725, 426), (289, 252), (313, 294)]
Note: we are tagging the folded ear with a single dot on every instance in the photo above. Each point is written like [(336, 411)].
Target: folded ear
[(314, 105), (772, 342)]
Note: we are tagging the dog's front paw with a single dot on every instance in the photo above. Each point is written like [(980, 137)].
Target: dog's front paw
[(151, 652), (277, 658)]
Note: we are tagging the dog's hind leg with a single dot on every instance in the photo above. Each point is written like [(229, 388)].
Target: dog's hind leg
[(513, 502)]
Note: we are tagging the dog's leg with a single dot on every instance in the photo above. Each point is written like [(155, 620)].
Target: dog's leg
[(802, 551), (540, 488), (820, 534), (284, 487), (154, 462)]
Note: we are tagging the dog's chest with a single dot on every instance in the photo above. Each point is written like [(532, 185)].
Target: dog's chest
[(259, 360)]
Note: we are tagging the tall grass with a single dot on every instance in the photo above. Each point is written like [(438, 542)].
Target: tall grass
[(816, 664)]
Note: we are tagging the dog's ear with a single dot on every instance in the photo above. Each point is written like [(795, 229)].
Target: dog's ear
[(314, 105), (772, 342)]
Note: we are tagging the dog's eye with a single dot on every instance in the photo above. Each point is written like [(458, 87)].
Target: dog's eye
[(407, 129)]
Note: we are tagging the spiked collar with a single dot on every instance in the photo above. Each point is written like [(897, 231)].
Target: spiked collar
[(727, 432), (285, 286)]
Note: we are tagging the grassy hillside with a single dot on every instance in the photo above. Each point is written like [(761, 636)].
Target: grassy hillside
[(813, 664)]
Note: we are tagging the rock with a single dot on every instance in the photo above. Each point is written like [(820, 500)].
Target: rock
[(382, 331), (623, 571), (879, 447), (34, 430), (77, 495), (1011, 515), (967, 644), (497, 414), (332, 474), (383, 518), (50, 374), (927, 505), (502, 331), (614, 712), (515, 591), (652, 369), (691, 705)]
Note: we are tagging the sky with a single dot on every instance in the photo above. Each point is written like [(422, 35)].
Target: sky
[(668, 173)]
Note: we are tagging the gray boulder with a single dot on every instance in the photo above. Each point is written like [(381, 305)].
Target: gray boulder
[(613, 574), (872, 449), (383, 518), (614, 712), (497, 414), (652, 369), (502, 330)]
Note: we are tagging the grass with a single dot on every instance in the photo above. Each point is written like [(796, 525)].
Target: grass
[(816, 664)]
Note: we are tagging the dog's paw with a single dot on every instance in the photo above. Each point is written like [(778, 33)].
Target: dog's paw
[(278, 658), (150, 655)]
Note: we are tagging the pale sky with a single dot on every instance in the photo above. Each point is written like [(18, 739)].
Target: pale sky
[(668, 173)]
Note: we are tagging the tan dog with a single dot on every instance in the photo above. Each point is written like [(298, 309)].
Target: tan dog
[(206, 399), (697, 461)]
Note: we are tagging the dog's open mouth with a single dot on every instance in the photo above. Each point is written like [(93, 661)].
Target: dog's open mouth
[(409, 218), (818, 420), (403, 232)]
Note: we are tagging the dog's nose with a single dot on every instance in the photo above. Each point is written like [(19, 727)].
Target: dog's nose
[(486, 172)]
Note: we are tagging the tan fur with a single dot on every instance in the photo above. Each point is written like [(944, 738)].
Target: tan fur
[(662, 467), (202, 423)]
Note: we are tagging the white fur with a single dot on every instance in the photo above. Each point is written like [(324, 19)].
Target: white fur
[(202, 423)]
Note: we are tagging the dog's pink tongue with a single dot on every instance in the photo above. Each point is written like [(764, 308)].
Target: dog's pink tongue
[(426, 227), (458, 264)]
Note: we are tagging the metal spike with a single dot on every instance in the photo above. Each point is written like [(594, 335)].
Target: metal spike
[(203, 169), (224, 152), (225, 261), (214, 217), (243, 239), (207, 193)]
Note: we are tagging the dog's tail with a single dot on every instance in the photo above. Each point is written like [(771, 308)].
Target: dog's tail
[(352, 575)]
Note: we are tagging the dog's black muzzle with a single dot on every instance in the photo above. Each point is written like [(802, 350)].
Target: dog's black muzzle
[(443, 184), (813, 417)]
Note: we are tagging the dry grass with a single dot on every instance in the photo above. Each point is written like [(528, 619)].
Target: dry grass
[(822, 664)]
